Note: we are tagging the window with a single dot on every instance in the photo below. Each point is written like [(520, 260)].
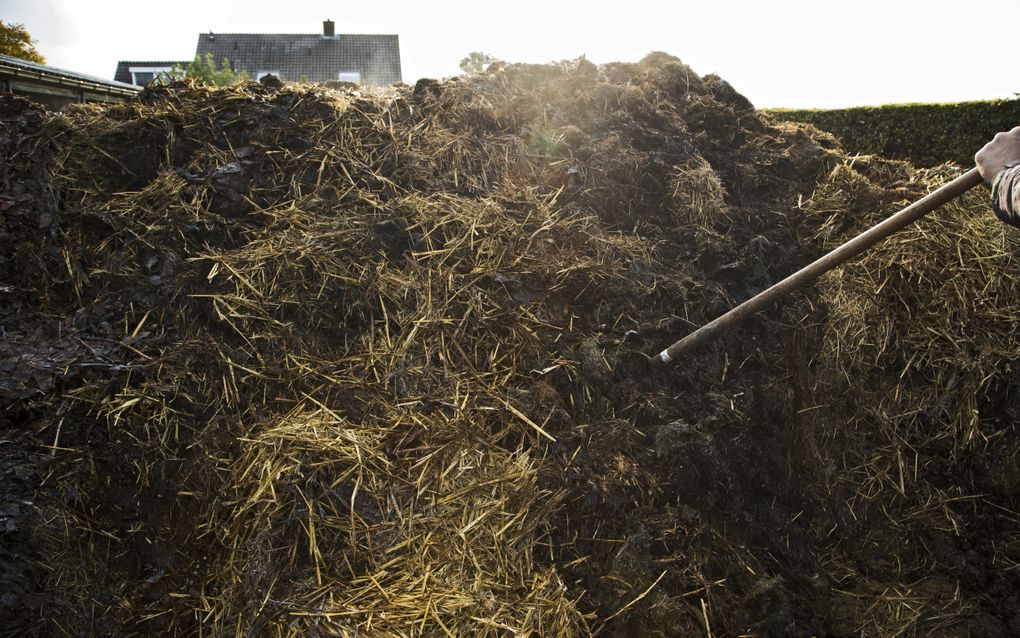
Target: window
[(262, 74), (142, 75), (349, 76)]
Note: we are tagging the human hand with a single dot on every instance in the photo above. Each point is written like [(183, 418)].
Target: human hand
[(1003, 149)]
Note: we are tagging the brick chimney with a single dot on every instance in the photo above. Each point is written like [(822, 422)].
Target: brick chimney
[(327, 28)]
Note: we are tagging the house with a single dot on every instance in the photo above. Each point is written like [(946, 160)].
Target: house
[(141, 73), (308, 57), (54, 88), (293, 57)]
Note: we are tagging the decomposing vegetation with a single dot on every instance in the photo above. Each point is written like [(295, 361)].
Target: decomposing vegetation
[(296, 361)]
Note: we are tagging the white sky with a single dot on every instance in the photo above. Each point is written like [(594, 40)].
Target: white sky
[(784, 53)]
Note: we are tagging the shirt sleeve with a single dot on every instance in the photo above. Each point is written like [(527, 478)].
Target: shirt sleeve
[(1006, 194)]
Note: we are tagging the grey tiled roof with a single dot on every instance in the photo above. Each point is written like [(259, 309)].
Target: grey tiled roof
[(308, 57), (123, 73)]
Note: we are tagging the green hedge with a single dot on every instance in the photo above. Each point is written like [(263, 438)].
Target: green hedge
[(924, 134)]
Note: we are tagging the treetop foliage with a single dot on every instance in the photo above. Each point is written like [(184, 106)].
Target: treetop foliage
[(476, 62), (16, 42), (205, 71)]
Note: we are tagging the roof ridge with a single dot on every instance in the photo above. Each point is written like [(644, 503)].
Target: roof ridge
[(218, 33)]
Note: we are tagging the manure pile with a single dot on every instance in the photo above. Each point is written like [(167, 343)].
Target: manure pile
[(304, 362)]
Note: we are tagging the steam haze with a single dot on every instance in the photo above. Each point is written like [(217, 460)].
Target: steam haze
[(794, 54)]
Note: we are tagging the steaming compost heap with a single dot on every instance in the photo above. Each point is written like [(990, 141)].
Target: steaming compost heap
[(299, 361)]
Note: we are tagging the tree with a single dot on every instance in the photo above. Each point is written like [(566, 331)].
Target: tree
[(476, 62), (205, 71), (15, 42)]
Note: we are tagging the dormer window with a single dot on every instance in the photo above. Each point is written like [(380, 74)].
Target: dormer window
[(142, 75)]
